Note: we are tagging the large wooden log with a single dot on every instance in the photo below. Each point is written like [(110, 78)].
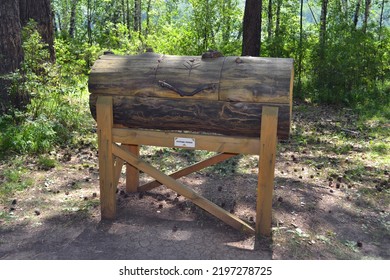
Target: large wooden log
[(223, 95)]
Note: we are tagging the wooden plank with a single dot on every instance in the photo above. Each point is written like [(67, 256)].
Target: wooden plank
[(215, 143), (188, 170), (106, 159), (118, 164), (266, 174), (132, 173), (171, 183)]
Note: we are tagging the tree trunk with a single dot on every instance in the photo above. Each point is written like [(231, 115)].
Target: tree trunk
[(270, 15), (381, 22), (300, 46), (148, 18), (89, 22), (137, 15), (251, 38), (356, 16), (324, 12), (123, 7), (366, 14), (40, 11), (276, 48), (11, 54), (72, 24), (128, 15)]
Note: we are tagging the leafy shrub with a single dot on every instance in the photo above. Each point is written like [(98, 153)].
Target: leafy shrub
[(54, 108)]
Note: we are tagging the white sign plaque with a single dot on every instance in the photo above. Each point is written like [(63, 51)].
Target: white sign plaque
[(184, 142)]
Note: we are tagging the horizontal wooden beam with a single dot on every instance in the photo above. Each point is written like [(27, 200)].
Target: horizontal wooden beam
[(188, 170), (215, 143), (171, 183)]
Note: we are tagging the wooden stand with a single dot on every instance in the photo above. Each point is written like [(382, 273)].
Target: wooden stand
[(112, 157)]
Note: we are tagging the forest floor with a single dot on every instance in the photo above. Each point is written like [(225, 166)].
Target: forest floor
[(331, 200)]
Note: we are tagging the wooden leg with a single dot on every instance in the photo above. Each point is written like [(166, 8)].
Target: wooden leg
[(106, 158), (132, 173), (267, 155)]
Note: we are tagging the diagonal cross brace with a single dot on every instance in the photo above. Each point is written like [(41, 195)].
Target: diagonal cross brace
[(176, 186), (190, 169)]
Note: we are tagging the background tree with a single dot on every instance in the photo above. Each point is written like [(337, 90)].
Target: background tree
[(11, 54), (40, 11), (252, 28)]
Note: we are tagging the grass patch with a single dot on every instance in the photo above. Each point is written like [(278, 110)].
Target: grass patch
[(46, 163)]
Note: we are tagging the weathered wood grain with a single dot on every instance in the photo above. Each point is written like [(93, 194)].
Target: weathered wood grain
[(227, 118)]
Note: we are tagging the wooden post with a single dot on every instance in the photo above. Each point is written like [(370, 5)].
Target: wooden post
[(132, 173), (267, 155), (106, 158)]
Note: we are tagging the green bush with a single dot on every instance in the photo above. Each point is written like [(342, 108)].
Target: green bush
[(54, 109)]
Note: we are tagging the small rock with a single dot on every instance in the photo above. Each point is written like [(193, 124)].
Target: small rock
[(332, 191), (37, 212)]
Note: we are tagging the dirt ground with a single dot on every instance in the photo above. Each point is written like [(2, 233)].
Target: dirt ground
[(331, 201)]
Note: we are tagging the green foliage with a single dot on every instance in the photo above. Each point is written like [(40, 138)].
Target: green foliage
[(53, 109), (13, 179), (46, 163)]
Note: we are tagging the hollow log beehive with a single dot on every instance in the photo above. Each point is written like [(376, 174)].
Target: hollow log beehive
[(222, 95)]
